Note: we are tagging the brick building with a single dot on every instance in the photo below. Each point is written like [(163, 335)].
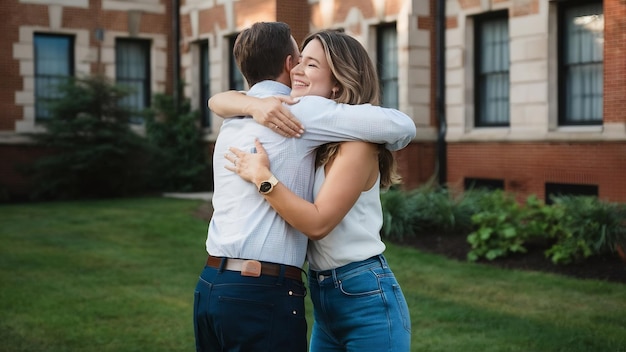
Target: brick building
[(535, 94), (46, 40), (525, 95)]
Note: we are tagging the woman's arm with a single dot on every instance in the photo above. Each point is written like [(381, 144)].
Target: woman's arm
[(354, 170), (269, 112), (329, 121)]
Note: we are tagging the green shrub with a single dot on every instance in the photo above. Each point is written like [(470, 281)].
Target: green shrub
[(436, 210), (589, 227), (467, 204), (179, 156), (498, 231), (398, 214), (94, 151), (425, 209), (573, 228)]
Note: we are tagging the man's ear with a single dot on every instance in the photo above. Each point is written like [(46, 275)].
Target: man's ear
[(288, 63)]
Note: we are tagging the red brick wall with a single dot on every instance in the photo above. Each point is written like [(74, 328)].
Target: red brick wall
[(9, 68), (417, 163), (293, 12), (296, 13), (208, 19), (343, 7), (526, 167), (13, 181), (248, 12)]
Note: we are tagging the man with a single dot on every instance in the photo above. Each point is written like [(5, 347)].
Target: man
[(250, 295)]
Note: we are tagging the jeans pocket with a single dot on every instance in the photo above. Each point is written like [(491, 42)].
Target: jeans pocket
[(298, 289), (364, 284), (246, 323)]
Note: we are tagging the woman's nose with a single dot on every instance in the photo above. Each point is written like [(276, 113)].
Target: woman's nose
[(297, 69)]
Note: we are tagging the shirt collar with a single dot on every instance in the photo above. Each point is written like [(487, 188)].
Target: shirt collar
[(269, 87)]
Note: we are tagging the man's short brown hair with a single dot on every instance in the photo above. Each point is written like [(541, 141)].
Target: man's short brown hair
[(260, 51)]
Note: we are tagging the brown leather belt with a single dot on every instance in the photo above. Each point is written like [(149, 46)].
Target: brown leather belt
[(255, 267)]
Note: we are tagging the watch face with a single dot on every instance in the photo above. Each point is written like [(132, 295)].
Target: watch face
[(265, 187)]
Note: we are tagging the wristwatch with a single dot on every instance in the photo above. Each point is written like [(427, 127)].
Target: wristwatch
[(267, 186)]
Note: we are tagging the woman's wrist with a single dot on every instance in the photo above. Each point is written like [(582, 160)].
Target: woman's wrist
[(262, 176), (248, 109)]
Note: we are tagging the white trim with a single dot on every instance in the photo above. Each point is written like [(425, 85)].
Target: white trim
[(68, 3), (152, 6)]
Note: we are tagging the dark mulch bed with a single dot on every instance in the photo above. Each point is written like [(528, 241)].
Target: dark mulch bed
[(608, 268)]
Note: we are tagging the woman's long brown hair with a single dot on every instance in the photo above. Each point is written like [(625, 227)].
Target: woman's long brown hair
[(356, 76)]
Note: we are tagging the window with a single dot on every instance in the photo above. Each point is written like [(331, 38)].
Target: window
[(581, 29), (54, 64), (387, 53), (487, 184), (132, 69), (205, 87), (492, 70), (236, 79), (567, 189)]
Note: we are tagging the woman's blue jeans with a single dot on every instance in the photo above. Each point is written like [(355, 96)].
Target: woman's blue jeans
[(242, 313), (359, 307)]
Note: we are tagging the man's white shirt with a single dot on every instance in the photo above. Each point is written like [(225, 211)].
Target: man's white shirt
[(244, 225)]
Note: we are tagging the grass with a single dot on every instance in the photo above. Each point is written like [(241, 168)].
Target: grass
[(119, 275)]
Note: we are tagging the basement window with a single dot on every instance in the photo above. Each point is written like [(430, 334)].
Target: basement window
[(487, 184), (569, 189)]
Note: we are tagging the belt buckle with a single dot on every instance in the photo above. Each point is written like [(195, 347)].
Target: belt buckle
[(251, 268)]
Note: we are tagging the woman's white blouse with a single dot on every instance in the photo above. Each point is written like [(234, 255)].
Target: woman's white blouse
[(355, 238)]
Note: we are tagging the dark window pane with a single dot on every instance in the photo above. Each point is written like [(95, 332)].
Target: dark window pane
[(492, 71), (132, 62), (235, 77), (387, 39), (483, 183), (582, 37), (53, 66), (569, 189), (205, 87)]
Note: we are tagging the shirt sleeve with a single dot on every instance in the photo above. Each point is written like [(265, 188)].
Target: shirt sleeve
[(327, 121)]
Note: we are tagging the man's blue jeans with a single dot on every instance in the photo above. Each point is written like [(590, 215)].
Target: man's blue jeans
[(359, 307), (242, 313)]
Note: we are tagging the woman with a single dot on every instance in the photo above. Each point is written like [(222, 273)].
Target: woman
[(358, 304)]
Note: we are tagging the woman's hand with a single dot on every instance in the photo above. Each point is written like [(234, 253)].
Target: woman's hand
[(271, 113), (252, 167)]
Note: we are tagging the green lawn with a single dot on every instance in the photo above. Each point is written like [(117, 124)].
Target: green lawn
[(119, 275)]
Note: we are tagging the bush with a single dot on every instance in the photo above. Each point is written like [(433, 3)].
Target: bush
[(425, 209), (438, 210), (398, 214), (498, 232), (505, 227), (572, 229), (95, 153), (179, 157), (589, 227)]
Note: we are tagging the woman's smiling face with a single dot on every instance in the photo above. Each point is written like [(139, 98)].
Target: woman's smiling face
[(312, 75)]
